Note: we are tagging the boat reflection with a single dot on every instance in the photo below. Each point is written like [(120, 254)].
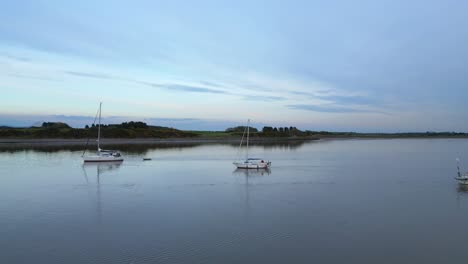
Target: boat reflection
[(248, 174), (252, 172), (462, 189), (101, 167)]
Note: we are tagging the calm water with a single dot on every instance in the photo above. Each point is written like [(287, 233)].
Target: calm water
[(341, 201)]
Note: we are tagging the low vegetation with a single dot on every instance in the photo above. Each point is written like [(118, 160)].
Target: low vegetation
[(124, 130), (143, 130)]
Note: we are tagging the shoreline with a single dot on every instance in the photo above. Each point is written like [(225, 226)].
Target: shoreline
[(27, 142), (22, 142)]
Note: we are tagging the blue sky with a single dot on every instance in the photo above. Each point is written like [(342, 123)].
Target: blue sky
[(322, 65)]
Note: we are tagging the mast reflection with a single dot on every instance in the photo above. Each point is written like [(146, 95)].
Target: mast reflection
[(100, 168)]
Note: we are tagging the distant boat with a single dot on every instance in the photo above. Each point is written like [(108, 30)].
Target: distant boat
[(461, 178), (250, 163), (102, 155)]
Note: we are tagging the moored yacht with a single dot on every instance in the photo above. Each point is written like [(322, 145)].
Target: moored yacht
[(250, 163), (102, 155)]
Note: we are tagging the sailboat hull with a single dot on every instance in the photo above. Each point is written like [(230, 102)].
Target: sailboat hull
[(462, 179), (102, 159), (252, 165)]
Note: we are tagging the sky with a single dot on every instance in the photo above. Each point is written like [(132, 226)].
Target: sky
[(365, 66)]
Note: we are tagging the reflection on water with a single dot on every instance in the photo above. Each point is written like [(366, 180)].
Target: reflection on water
[(462, 188), (252, 172), (98, 168), (188, 205), (127, 148), (145, 147)]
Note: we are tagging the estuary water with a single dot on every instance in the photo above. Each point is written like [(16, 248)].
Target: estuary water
[(328, 201)]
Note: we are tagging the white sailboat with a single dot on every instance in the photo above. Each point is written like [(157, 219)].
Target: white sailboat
[(250, 163), (461, 178), (102, 155)]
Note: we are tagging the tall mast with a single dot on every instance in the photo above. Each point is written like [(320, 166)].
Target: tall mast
[(99, 127), (247, 152)]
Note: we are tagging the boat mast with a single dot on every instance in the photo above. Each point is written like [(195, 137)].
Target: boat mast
[(247, 152), (99, 127)]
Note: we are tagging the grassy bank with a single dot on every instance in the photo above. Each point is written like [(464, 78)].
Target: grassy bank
[(139, 131)]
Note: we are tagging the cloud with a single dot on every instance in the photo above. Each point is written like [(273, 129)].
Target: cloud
[(15, 57), (264, 98), (328, 109), (22, 76), (182, 88), (310, 94), (171, 87), (92, 75), (189, 88), (348, 100), (211, 84)]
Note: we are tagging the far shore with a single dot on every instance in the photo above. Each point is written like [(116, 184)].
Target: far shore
[(25, 142), (5, 142)]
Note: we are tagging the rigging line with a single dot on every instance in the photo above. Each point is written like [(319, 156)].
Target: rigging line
[(240, 145), (87, 141)]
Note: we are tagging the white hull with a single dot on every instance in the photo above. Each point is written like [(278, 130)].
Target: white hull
[(462, 180), (252, 165)]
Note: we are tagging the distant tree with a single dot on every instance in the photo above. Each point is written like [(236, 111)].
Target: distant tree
[(240, 129), (286, 130), (57, 125), (86, 127), (281, 130), (133, 125), (275, 130), (267, 129)]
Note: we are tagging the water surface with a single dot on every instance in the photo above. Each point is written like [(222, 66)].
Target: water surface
[(332, 201)]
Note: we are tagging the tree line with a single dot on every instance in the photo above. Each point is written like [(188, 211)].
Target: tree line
[(124, 130), (269, 131)]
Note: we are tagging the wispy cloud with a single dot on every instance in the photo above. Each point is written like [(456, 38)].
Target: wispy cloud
[(23, 76), (348, 100), (182, 88), (330, 109), (16, 58), (171, 87), (319, 92), (189, 88), (212, 84), (264, 98), (92, 75)]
